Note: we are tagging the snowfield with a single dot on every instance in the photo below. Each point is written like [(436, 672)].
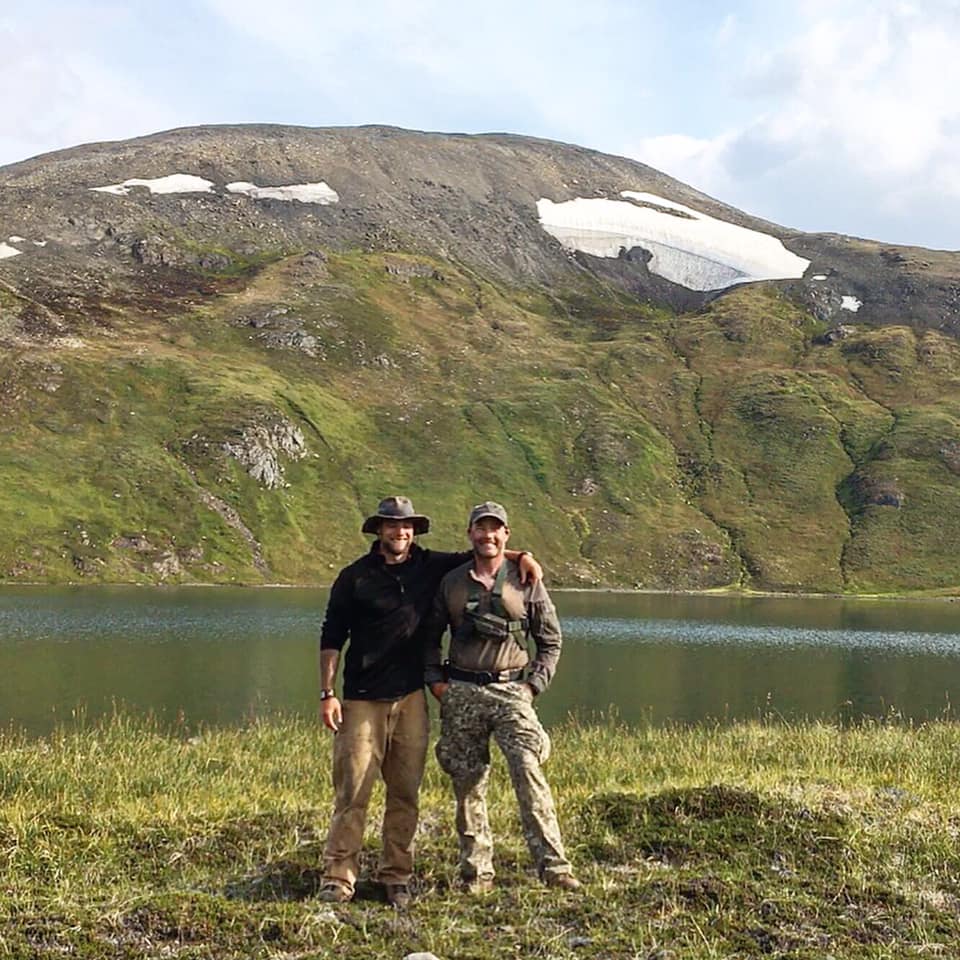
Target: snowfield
[(304, 192), (687, 247), (175, 183), (188, 183)]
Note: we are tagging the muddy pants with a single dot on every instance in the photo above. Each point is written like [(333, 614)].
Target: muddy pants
[(470, 714), (385, 738)]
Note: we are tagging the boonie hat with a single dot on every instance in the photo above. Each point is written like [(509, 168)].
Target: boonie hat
[(488, 509), (396, 508)]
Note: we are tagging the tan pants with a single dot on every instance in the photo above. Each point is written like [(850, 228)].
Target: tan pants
[(385, 738)]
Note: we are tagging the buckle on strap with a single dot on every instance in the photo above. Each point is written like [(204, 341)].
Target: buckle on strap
[(482, 677)]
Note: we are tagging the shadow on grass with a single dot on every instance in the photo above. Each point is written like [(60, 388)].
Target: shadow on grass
[(293, 878), (770, 876), (699, 824)]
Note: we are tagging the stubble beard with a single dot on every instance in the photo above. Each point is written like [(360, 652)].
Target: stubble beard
[(394, 548), (489, 551)]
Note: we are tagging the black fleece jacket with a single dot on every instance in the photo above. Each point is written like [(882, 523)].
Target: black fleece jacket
[(379, 607)]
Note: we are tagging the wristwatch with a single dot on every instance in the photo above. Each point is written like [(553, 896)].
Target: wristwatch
[(327, 692)]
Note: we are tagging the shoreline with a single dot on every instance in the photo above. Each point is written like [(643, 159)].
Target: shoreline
[(761, 594), (939, 594)]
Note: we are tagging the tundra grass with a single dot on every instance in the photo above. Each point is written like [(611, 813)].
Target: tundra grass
[(125, 839)]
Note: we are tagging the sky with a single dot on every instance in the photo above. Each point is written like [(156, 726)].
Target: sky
[(840, 116)]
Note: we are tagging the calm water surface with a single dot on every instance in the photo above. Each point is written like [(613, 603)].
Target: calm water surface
[(225, 655)]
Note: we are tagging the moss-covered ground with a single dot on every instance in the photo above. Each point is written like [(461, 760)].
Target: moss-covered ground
[(122, 840), (732, 448)]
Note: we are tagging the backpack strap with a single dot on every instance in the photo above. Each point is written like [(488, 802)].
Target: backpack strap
[(496, 595), (498, 613)]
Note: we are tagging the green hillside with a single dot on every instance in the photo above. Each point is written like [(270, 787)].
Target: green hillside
[(730, 447)]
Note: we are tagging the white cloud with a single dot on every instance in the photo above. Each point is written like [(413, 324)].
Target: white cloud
[(420, 58), (56, 91), (697, 161), (857, 107), (727, 31)]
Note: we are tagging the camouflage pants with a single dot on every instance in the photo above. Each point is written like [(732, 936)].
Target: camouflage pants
[(469, 715)]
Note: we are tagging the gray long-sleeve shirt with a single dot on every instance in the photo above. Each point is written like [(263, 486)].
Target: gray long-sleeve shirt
[(482, 654)]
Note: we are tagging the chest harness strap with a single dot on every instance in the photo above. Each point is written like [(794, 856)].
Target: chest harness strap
[(494, 624)]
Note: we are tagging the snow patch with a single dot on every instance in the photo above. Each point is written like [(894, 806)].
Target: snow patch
[(39, 243), (188, 183), (17, 239), (174, 183), (687, 247), (819, 276), (850, 303), (7, 251), (304, 192)]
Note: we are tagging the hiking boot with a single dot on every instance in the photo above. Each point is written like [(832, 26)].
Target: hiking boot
[(398, 896), (334, 893), (478, 886), (562, 881)]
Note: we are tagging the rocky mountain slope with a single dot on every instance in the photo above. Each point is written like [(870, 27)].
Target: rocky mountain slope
[(221, 345)]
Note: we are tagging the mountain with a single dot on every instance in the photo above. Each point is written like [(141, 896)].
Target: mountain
[(222, 345)]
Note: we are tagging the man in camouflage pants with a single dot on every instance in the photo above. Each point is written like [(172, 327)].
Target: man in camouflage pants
[(486, 688), (377, 608)]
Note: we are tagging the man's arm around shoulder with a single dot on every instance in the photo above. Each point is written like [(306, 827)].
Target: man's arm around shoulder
[(530, 570)]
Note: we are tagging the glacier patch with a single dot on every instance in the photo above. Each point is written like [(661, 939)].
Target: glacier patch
[(687, 247)]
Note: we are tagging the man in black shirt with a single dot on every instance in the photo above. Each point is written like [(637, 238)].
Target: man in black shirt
[(378, 603)]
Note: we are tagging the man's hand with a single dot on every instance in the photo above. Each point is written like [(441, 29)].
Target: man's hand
[(331, 713), (530, 570), (439, 689)]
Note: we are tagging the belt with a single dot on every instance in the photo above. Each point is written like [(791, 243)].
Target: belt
[(482, 676)]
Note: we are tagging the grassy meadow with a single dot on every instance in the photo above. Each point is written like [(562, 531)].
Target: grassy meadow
[(122, 840)]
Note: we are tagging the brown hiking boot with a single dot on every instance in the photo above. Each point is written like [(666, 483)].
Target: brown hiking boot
[(478, 886), (334, 893), (562, 881), (398, 896)]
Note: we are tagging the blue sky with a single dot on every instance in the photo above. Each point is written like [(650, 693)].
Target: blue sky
[(830, 116)]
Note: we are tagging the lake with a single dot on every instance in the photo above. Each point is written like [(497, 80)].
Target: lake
[(225, 655)]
